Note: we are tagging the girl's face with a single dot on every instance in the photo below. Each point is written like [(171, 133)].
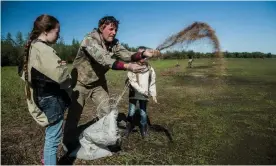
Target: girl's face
[(53, 35)]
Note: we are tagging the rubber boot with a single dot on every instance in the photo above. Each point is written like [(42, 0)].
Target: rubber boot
[(129, 126), (144, 130)]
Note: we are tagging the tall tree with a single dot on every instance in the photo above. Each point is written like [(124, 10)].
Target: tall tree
[(19, 39)]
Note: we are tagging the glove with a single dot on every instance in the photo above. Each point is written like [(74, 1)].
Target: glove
[(135, 68), (151, 53), (154, 99)]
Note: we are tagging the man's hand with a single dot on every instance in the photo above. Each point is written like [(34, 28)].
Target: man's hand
[(154, 99), (135, 68), (151, 53)]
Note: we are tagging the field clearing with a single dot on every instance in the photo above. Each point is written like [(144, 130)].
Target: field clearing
[(212, 116)]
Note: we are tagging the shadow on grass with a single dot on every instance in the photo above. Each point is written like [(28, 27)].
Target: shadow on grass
[(249, 149), (152, 127)]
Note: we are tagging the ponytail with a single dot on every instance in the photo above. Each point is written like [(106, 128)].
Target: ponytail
[(34, 35)]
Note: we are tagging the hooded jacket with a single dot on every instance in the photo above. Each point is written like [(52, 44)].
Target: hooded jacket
[(142, 84)]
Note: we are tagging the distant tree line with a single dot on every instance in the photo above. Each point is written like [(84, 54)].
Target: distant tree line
[(12, 51), (226, 54)]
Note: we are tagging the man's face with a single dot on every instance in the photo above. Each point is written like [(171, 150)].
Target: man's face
[(109, 32)]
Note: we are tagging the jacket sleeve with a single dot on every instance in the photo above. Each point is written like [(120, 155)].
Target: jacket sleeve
[(122, 53), (152, 85), (133, 82), (95, 51), (46, 61)]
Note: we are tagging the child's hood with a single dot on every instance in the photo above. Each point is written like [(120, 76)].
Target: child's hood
[(147, 68)]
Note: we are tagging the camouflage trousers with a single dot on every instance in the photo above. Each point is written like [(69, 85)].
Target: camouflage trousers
[(80, 96)]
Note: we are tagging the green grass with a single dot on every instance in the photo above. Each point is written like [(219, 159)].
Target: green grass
[(213, 118)]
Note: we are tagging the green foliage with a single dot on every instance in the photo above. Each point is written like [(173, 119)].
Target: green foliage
[(129, 48), (9, 51), (12, 51)]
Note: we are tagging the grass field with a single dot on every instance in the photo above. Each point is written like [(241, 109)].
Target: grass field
[(212, 116)]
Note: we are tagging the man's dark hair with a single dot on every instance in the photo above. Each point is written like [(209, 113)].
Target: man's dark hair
[(108, 20), (142, 47)]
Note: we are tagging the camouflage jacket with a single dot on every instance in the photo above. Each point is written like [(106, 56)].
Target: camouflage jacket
[(94, 59)]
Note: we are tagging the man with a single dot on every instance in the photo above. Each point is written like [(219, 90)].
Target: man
[(99, 52)]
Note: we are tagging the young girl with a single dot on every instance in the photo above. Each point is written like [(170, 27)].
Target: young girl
[(47, 83), (142, 85)]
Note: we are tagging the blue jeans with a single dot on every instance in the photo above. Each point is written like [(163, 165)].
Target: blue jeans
[(54, 108), (143, 110), (52, 140)]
